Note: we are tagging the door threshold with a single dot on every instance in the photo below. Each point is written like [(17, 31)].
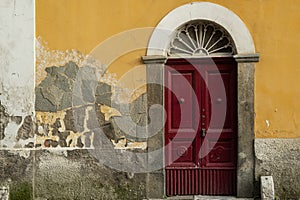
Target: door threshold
[(184, 197), (200, 197)]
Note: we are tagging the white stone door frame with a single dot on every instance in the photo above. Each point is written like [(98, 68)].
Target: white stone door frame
[(246, 56)]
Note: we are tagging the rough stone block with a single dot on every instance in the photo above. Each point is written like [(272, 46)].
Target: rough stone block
[(104, 99), (71, 70), (102, 88), (66, 101), (63, 83), (43, 104), (87, 89), (4, 193), (267, 188)]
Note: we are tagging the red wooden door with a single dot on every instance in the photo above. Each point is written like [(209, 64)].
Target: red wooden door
[(200, 133)]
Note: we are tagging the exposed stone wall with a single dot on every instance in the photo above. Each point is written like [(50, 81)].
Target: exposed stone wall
[(279, 158), (69, 100)]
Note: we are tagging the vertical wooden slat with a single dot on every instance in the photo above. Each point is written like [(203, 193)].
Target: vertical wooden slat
[(167, 182), (186, 182), (200, 181), (196, 180), (179, 182), (217, 181)]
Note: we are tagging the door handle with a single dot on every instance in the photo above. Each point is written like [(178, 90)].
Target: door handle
[(203, 132)]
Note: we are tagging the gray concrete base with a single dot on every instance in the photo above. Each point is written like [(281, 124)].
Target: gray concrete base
[(279, 158), (75, 174)]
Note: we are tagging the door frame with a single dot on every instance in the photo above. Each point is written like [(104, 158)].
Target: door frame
[(155, 61)]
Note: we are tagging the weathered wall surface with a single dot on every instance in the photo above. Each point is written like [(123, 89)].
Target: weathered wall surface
[(66, 110), (16, 72), (71, 103), (51, 131), (273, 27), (16, 96), (62, 174), (77, 175), (88, 156), (279, 158)]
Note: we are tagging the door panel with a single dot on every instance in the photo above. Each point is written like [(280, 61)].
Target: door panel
[(221, 153), (181, 99), (183, 152), (182, 127), (200, 147), (221, 134)]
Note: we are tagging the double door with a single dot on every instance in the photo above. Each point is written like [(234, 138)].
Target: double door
[(200, 130)]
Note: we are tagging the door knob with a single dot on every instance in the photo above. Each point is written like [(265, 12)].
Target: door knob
[(181, 100), (203, 132)]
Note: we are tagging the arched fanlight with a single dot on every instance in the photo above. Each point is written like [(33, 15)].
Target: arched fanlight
[(201, 38)]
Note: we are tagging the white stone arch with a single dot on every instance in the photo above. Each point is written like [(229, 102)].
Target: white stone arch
[(163, 32)]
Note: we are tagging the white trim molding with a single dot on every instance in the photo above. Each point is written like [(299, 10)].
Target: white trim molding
[(164, 31)]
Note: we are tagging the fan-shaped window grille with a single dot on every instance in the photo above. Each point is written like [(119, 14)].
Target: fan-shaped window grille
[(201, 38)]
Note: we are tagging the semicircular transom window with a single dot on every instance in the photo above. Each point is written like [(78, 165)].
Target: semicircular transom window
[(201, 38)]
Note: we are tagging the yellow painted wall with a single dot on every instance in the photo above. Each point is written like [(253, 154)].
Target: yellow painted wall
[(274, 25)]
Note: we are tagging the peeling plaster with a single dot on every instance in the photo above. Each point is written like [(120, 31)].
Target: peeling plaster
[(27, 129), (125, 145), (47, 123), (16, 70), (15, 132), (109, 112), (67, 126)]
